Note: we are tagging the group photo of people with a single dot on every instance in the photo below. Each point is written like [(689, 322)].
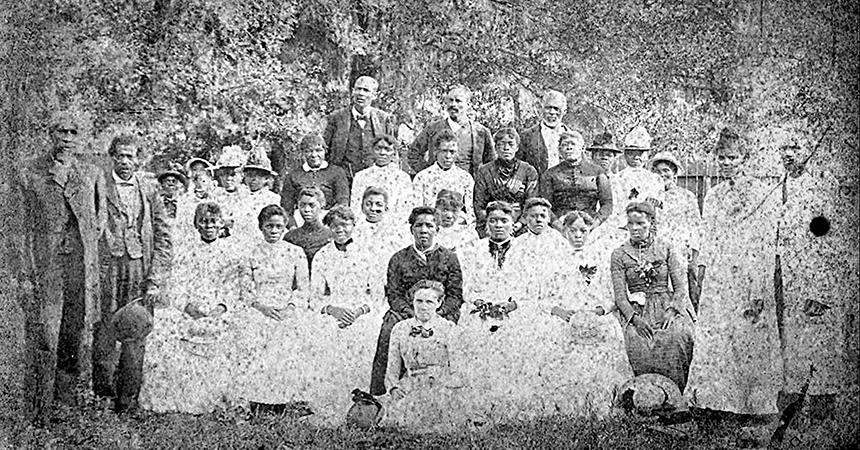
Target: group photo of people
[(452, 278)]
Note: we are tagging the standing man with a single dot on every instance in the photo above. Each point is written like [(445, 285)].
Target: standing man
[(539, 144), (135, 254), (351, 132), (424, 259), (474, 142), (65, 215)]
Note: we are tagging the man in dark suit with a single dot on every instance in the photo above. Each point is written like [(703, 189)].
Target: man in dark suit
[(135, 254), (65, 212), (474, 141), (539, 144), (350, 132)]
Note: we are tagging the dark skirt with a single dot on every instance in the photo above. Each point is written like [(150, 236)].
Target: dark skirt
[(669, 351)]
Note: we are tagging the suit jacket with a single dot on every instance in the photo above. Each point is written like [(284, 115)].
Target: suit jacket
[(83, 189), (533, 148), (152, 225), (336, 133), (422, 152)]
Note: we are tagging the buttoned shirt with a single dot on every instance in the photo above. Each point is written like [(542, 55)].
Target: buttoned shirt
[(341, 277), (360, 118), (396, 182), (550, 139), (420, 356), (433, 179), (537, 261), (483, 261), (455, 126)]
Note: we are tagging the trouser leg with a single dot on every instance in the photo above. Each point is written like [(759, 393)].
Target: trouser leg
[(72, 345), (129, 371), (104, 341), (380, 360)]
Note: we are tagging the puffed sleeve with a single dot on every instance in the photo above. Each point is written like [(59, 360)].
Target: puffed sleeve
[(678, 275), (395, 357), (604, 192)]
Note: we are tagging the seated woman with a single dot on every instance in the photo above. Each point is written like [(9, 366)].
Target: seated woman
[(535, 259), (349, 301), (278, 274), (650, 285), (453, 233), (594, 362), (422, 393), (191, 354)]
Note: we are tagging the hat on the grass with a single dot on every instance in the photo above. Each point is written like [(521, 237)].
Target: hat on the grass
[(173, 169), (365, 412), (604, 141), (666, 157), (638, 139), (648, 393), (132, 321)]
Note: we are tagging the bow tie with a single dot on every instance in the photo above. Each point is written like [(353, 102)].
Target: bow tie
[(362, 117), (588, 272), (499, 250), (419, 330)]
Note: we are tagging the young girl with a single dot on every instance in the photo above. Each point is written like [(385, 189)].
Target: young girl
[(277, 296), (425, 396)]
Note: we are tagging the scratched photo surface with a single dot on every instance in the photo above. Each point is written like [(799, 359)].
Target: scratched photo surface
[(386, 224)]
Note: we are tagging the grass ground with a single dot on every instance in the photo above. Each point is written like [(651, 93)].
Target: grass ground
[(94, 427)]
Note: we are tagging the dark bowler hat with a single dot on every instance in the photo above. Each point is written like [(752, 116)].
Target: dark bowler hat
[(604, 141), (174, 169)]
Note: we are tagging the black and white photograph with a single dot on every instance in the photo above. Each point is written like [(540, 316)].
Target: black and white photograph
[(430, 224)]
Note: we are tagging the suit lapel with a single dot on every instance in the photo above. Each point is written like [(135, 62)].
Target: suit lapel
[(543, 154)]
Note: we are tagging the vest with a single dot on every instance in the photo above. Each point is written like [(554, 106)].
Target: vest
[(466, 144), (359, 144)]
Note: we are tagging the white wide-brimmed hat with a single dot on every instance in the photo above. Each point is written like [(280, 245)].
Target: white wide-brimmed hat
[(638, 139)]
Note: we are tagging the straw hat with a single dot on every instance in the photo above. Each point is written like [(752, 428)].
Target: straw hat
[(132, 321), (196, 160), (604, 141), (638, 139), (258, 160), (650, 392), (231, 156), (666, 157)]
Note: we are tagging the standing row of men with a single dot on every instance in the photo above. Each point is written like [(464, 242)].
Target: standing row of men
[(97, 242)]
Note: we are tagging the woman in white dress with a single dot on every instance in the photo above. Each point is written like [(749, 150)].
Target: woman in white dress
[(593, 360), (349, 302), (736, 362), (191, 355), (273, 371)]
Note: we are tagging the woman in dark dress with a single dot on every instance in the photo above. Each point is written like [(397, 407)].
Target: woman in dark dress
[(650, 286), (506, 179)]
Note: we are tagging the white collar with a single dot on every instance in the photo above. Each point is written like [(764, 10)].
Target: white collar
[(455, 126), (307, 168), (120, 182), (558, 128), (423, 254), (355, 113)]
